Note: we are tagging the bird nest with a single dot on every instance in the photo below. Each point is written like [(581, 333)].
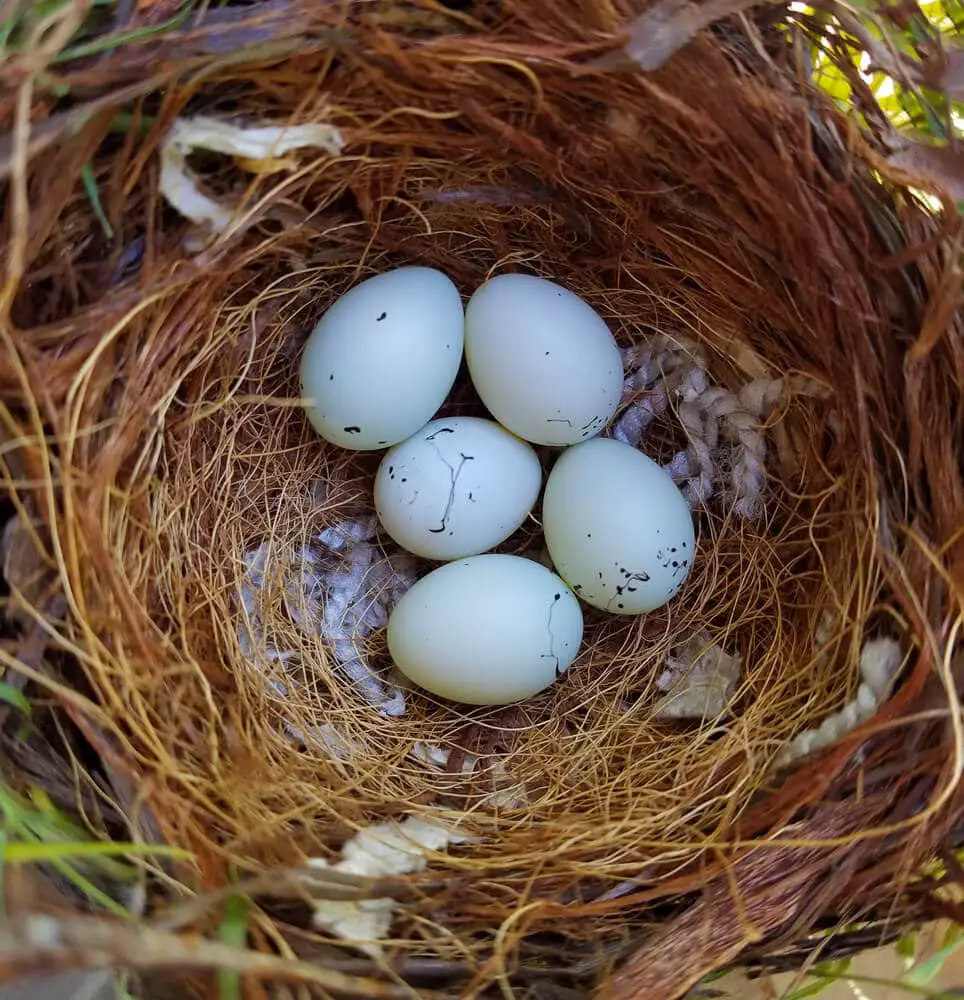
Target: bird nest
[(198, 585)]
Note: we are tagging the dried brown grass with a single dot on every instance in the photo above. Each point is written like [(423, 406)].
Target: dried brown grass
[(151, 436)]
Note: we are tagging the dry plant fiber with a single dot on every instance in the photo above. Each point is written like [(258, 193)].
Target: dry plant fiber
[(794, 354)]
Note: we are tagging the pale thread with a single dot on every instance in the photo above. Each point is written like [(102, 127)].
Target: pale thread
[(726, 454), (880, 661)]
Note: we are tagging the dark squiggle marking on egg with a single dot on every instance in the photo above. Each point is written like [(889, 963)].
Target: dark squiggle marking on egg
[(378, 319), (623, 588), (552, 654), (454, 476), (352, 430), (441, 430)]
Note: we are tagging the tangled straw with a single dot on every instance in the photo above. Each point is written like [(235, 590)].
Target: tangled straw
[(741, 234)]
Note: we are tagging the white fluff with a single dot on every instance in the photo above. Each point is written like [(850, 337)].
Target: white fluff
[(341, 589), (699, 680)]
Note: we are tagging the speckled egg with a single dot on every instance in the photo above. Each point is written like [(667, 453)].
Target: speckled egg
[(458, 487), (383, 358), (543, 361), (489, 630), (617, 528)]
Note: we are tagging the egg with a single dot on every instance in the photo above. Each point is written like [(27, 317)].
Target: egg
[(456, 488), (543, 361), (488, 630), (383, 358), (617, 528)]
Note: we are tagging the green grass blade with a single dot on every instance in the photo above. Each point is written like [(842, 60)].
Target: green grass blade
[(17, 699), (22, 852), (89, 890), (90, 186), (109, 42), (233, 931)]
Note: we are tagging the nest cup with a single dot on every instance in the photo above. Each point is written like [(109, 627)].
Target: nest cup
[(217, 585)]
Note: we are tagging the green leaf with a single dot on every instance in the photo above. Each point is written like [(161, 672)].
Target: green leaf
[(92, 892), (835, 969), (833, 81), (18, 700), (923, 972), (90, 186), (906, 947), (813, 989), (232, 931)]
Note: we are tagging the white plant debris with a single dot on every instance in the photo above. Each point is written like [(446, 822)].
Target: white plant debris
[(263, 144), (727, 448), (508, 793), (379, 852), (880, 661), (699, 680)]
